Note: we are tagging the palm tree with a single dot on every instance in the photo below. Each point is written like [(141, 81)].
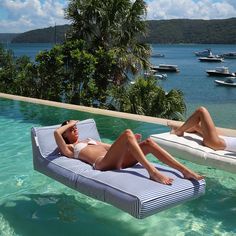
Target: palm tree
[(145, 97), (115, 25)]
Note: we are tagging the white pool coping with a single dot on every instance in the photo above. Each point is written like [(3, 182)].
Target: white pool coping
[(142, 118)]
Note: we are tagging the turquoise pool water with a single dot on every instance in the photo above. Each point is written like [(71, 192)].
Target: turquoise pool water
[(33, 204)]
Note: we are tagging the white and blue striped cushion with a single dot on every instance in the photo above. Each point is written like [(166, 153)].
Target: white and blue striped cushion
[(129, 189)]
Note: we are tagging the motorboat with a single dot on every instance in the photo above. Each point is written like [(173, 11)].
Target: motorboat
[(230, 81), (229, 55), (166, 68), (213, 58), (204, 53), (154, 74), (160, 76), (221, 71)]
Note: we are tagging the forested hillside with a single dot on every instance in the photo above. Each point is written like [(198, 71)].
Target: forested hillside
[(46, 35), (160, 31), (192, 31), (7, 37)]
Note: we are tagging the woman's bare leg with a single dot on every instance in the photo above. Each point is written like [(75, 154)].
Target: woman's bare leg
[(124, 145), (196, 129), (149, 146), (202, 119)]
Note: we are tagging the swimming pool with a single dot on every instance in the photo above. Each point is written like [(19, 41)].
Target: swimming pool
[(33, 204)]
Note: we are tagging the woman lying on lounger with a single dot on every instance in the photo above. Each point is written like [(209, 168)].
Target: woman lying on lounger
[(200, 122), (124, 152)]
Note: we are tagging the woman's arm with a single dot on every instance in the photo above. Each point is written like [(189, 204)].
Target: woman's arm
[(63, 147)]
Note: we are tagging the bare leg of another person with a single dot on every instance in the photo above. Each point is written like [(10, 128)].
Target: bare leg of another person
[(122, 148), (173, 126), (202, 119)]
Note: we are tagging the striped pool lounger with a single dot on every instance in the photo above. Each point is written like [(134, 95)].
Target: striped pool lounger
[(190, 147), (128, 189)]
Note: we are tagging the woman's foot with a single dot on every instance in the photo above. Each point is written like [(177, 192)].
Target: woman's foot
[(158, 177), (192, 175), (175, 129)]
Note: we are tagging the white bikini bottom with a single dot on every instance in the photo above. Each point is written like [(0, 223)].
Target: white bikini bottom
[(94, 164)]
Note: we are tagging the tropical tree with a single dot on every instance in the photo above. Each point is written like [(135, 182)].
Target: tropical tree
[(112, 25), (24, 81), (49, 74), (145, 97), (79, 65), (7, 70)]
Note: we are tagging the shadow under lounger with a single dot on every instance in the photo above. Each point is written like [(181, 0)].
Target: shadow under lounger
[(128, 189)]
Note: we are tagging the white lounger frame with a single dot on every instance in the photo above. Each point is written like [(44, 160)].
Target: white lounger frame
[(190, 147)]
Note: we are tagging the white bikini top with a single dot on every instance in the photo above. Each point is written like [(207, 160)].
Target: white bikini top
[(81, 145)]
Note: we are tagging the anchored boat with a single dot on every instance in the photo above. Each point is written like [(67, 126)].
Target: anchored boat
[(166, 68), (230, 81), (221, 71), (211, 59)]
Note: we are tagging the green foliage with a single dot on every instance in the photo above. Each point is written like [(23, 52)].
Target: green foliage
[(144, 97), (7, 70), (64, 73), (49, 74), (23, 82), (106, 24), (112, 25), (104, 74), (81, 66)]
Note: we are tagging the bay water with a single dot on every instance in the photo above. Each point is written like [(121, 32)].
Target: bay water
[(199, 89)]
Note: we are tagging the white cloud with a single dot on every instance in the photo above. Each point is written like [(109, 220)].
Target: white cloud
[(202, 9), (24, 15)]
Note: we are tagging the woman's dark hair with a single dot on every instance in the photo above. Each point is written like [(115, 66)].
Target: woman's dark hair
[(65, 139)]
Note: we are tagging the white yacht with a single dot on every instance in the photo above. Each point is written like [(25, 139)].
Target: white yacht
[(230, 81), (221, 71), (166, 68), (213, 58)]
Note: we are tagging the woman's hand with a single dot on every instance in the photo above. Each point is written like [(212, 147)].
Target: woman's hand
[(72, 122)]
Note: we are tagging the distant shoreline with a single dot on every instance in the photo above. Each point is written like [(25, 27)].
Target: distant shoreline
[(177, 31)]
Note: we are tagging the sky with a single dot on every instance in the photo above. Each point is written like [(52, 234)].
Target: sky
[(17, 16)]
